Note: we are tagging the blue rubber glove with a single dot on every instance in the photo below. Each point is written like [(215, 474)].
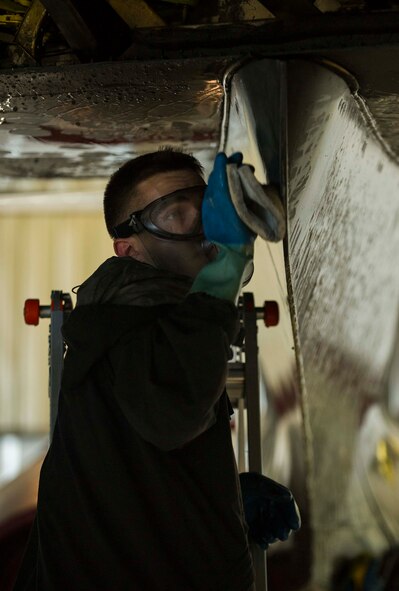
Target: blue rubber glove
[(220, 221), (223, 277), (270, 509)]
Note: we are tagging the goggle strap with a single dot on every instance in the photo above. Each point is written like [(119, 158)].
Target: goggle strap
[(123, 230)]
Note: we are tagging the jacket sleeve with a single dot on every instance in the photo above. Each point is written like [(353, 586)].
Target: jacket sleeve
[(169, 375)]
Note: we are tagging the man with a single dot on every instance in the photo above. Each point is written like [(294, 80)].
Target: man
[(139, 489)]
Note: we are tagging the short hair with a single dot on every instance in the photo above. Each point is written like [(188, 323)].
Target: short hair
[(122, 184)]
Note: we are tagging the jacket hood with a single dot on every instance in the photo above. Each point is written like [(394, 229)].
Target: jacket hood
[(123, 280), (120, 294)]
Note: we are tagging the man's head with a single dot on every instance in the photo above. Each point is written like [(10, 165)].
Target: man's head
[(142, 182)]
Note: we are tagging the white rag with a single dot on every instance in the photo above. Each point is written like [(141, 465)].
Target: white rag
[(259, 206)]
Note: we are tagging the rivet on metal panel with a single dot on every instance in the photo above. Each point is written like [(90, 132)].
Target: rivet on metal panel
[(136, 13), (10, 19)]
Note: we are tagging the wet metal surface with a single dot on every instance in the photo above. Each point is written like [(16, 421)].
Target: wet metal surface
[(377, 75), (255, 124), (343, 242), (83, 121)]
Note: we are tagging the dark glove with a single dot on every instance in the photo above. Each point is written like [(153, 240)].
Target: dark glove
[(270, 509)]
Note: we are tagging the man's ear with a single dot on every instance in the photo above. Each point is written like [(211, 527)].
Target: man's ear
[(128, 247)]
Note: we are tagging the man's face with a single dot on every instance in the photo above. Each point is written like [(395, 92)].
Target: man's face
[(185, 257)]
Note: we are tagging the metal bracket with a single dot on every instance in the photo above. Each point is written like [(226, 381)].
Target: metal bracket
[(60, 306), (31, 30), (243, 390)]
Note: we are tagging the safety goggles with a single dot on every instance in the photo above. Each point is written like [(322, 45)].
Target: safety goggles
[(176, 216)]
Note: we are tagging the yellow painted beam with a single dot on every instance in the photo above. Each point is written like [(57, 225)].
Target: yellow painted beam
[(136, 13)]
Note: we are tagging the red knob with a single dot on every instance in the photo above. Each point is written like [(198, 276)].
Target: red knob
[(32, 312), (271, 314)]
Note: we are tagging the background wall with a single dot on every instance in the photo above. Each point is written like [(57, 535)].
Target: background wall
[(38, 253)]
